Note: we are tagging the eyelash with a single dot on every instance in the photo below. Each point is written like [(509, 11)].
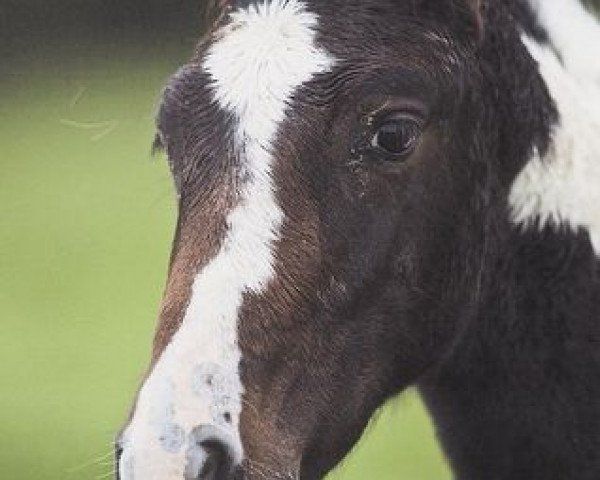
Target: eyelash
[(372, 125)]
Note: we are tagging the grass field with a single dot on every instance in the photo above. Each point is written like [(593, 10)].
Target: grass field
[(86, 217)]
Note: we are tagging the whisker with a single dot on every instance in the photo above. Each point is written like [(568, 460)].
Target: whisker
[(106, 475), (267, 472), (90, 463), (251, 406)]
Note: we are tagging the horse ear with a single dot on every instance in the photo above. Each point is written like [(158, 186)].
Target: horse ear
[(466, 16), (214, 10), (476, 8)]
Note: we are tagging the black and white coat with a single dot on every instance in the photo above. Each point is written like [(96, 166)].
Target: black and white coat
[(312, 278), (521, 397)]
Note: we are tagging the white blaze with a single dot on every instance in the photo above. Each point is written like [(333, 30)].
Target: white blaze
[(256, 63), (563, 188)]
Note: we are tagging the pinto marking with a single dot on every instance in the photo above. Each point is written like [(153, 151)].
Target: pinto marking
[(263, 54), (429, 302), (570, 26), (562, 188)]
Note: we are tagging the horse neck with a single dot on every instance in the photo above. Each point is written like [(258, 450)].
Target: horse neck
[(518, 396)]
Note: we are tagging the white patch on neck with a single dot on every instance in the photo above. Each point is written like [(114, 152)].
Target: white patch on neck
[(574, 32), (257, 62), (563, 188)]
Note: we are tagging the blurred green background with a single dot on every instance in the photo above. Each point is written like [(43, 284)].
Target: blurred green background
[(86, 218)]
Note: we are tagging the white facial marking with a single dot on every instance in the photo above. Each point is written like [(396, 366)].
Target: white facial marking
[(256, 63), (563, 188)]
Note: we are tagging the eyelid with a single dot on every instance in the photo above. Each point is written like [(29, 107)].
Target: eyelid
[(379, 104), (382, 119), (397, 110)]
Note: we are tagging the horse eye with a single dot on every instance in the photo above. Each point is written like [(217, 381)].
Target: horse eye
[(397, 137)]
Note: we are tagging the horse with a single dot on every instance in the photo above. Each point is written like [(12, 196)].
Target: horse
[(372, 195)]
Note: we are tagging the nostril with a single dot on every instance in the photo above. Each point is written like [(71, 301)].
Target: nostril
[(217, 461), (210, 455)]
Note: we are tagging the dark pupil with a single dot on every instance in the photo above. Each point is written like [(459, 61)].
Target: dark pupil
[(397, 137)]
